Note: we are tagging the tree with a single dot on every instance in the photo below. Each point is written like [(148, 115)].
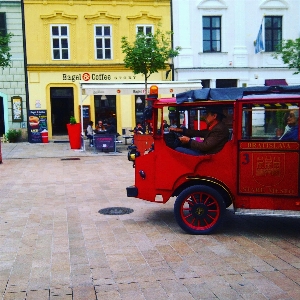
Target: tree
[(4, 50), (148, 53), (289, 51)]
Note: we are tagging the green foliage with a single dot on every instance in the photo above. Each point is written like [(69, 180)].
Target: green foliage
[(13, 135), (4, 50), (280, 119), (289, 51), (73, 120), (148, 53)]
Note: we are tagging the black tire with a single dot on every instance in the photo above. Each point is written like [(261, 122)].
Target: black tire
[(199, 209)]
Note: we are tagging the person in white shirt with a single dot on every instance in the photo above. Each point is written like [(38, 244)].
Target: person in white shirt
[(90, 133)]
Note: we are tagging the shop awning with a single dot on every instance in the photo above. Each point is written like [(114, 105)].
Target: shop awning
[(272, 82), (172, 87)]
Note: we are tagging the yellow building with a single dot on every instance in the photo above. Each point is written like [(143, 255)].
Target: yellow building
[(70, 42)]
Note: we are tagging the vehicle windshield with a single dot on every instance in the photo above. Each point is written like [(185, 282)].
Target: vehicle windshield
[(189, 117)]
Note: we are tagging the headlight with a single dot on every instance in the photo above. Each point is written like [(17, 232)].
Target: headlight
[(132, 154)]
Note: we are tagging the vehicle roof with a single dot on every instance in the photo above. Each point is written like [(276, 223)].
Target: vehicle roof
[(253, 98), (271, 96), (234, 94)]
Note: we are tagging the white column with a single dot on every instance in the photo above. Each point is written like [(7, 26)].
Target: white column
[(182, 32), (240, 53)]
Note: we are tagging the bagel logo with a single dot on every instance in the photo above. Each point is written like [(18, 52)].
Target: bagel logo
[(86, 76)]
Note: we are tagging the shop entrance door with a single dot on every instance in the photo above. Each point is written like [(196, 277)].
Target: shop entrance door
[(62, 108), (2, 125)]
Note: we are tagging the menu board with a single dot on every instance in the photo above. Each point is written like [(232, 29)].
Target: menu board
[(85, 114), (37, 123), (105, 142)]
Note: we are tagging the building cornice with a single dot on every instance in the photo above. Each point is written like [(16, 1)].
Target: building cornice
[(98, 2), (77, 68)]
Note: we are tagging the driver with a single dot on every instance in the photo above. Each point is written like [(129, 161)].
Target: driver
[(215, 136)]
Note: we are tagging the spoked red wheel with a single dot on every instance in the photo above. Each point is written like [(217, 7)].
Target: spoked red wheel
[(199, 209)]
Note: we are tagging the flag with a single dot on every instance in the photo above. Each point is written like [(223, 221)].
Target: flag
[(259, 43)]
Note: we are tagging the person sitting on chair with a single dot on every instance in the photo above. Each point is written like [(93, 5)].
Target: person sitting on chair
[(110, 128), (90, 133), (100, 127), (215, 136)]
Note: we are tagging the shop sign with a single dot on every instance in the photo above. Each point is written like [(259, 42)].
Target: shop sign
[(17, 115), (113, 88), (95, 77)]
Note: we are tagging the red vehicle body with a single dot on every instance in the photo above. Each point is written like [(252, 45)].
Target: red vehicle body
[(255, 172)]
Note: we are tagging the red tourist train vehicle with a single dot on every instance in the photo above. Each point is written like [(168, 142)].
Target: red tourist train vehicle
[(255, 173)]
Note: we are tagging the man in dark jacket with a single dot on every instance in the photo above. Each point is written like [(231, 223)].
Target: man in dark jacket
[(110, 128), (215, 136)]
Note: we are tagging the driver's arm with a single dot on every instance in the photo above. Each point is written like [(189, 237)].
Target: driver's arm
[(176, 129)]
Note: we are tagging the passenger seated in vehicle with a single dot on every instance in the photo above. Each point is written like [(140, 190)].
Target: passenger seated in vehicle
[(291, 129), (215, 136), (278, 133), (139, 129), (165, 125)]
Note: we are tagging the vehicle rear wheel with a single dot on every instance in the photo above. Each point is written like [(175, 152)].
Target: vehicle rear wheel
[(199, 209)]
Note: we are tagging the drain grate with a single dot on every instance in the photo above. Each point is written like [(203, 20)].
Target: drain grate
[(115, 211), (61, 141), (71, 158)]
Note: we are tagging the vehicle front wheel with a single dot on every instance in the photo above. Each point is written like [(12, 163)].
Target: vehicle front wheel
[(199, 209)]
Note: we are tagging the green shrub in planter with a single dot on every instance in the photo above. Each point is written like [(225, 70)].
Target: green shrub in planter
[(73, 120), (13, 135)]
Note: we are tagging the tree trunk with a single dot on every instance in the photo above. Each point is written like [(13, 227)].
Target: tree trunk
[(146, 94)]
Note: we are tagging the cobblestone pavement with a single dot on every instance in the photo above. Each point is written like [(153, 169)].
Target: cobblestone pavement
[(54, 244)]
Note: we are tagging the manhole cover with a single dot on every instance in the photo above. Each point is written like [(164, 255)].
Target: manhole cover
[(115, 211)]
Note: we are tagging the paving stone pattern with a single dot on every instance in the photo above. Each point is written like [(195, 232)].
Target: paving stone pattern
[(54, 244)]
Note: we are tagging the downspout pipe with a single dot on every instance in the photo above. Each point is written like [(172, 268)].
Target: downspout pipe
[(172, 41), (25, 66)]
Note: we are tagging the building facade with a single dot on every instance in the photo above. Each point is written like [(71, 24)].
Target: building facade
[(74, 42), (218, 41), (13, 103)]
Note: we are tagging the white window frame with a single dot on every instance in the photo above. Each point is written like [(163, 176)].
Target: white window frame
[(145, 26), (60, 37), (103, 37)]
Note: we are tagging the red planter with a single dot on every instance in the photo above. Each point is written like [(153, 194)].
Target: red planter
[(74, 132)]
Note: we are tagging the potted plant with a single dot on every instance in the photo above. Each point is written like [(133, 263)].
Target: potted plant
[(74, 132)]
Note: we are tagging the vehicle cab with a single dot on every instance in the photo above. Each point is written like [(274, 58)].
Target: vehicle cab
[(257, 171)]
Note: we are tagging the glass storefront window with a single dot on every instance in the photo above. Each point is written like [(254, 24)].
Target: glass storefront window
[(105, 108), (139, 108)]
